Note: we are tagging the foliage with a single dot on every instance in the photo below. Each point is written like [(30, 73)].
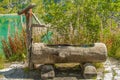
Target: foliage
[(114, 50), (12, 6), (15, 47), (83, 21), (76, 22)]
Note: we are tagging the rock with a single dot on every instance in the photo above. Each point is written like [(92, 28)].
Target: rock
[(108, 69), (108, 76), (16, 66), (65, 78), (116, 77), (117, 72), (6, 71), (99, 76), (116, 68), (113, 66), (89, 71), (47, 71)]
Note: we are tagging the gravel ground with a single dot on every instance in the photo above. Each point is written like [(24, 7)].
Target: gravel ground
[(111, 70), (17, 71)]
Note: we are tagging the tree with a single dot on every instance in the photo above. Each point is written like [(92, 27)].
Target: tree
[(12, 6)]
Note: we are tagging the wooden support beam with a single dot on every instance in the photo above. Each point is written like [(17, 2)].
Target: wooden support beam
[(38, 25), (36, 18)]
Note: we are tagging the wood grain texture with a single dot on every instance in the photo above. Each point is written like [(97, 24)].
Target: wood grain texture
[(68, 54)]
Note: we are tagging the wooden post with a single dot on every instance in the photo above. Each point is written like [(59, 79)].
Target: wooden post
[(28, 13), (29, 36)]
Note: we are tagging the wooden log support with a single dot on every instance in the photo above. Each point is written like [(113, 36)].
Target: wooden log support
[(38, 25), (28, 13), (29, 36), (47, 71)]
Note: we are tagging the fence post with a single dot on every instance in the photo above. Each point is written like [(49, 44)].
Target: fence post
[(28, 13)]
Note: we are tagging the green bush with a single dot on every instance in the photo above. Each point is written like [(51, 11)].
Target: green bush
[(83, 22)]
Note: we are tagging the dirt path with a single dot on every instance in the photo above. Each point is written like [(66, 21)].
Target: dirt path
[(16, 71)]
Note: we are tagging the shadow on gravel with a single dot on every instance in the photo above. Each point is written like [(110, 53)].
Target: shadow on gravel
[(69, 72), (20, 73)]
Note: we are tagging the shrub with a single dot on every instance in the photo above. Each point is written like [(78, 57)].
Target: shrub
[(112, 40), (15, 47)]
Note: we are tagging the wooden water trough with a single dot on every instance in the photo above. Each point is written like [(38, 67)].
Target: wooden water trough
[(48, 55)]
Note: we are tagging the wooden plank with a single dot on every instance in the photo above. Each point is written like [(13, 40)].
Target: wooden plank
[(36, 18), (38, 25), (27, 9)]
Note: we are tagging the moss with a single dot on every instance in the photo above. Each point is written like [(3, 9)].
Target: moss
[(26, 69), (106, 72), (114, 73), (94, 78), (98, 65)]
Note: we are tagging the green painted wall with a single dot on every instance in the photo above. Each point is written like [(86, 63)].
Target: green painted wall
[(9, 23)]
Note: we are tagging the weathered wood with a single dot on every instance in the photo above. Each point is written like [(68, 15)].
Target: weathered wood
[(29, 37), (27, 9), (36, 18), (68, 54), (38, 25), (31, 66)]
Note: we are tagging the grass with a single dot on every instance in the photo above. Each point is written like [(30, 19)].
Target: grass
[(114, 73), (1, 62), (98, 65), (106, 72), (15, 47), (113, 45), (26, 69)]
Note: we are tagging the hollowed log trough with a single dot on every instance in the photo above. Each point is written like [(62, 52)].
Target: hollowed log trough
[(51, 54)]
